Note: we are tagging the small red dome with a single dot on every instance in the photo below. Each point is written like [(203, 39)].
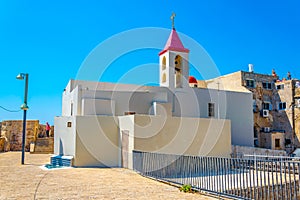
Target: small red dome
[(192, 79)]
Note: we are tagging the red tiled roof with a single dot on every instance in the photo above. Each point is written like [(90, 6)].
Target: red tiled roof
[(174, 43)]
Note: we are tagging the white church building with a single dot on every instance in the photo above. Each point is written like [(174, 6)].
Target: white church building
[(102, 123)]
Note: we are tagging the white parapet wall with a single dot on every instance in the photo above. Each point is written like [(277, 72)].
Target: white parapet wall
[(182, 135), (176, 135)]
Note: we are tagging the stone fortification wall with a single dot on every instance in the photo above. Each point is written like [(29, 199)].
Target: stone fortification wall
[(11, 134), (11, 131)]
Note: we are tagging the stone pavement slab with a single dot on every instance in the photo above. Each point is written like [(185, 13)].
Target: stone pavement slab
[(29, 181)]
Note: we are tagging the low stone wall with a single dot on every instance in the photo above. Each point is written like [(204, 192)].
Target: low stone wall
[(44, 145), (238, 150)]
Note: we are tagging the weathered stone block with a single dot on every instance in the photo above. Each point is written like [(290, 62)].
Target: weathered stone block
[(2, 142)]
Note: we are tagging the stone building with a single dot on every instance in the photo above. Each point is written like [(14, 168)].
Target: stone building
[(275, 107), (297, 111), (11, 134)]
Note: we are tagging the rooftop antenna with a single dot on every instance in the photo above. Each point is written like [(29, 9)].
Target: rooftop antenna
[(250, 67)]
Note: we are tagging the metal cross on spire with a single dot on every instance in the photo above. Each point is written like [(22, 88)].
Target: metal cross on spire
[(173, 18)]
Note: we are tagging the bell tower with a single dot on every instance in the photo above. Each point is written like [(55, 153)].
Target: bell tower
[(173, 62)]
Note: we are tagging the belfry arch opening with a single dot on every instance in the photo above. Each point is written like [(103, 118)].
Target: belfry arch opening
[(178, 71)]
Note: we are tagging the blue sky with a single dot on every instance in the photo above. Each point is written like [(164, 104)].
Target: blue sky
[(51, 39)]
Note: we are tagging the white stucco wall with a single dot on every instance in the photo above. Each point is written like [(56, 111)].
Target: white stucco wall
[(166, 71), (174, 135), (182, 136), (92, 140), (162, 109), (240, 112), (126, 123), (97, 141), (64, 137), (235, 106), (185, 102), (71, 101), (98, 107)]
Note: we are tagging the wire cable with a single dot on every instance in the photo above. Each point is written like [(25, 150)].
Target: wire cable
[(9, 110)]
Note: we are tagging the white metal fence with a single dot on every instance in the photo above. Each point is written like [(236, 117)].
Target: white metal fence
[(250, 177)]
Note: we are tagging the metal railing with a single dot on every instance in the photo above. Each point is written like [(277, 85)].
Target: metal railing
[(242, 178)]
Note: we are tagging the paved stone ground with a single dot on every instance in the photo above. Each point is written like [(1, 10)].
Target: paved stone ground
[(29, 181)]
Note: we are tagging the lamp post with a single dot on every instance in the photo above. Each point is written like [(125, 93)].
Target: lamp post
[(24, 107)]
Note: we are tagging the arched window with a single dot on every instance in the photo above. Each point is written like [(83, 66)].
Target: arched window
[(163, 63), (164, 78)]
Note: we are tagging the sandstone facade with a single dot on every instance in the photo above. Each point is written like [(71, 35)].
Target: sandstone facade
[(297, 114), (276, 107)]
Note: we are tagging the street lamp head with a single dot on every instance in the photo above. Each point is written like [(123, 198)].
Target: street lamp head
[(24, 106), (20, 76)]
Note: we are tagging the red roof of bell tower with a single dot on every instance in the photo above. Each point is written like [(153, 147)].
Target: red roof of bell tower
[(174, 43)]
